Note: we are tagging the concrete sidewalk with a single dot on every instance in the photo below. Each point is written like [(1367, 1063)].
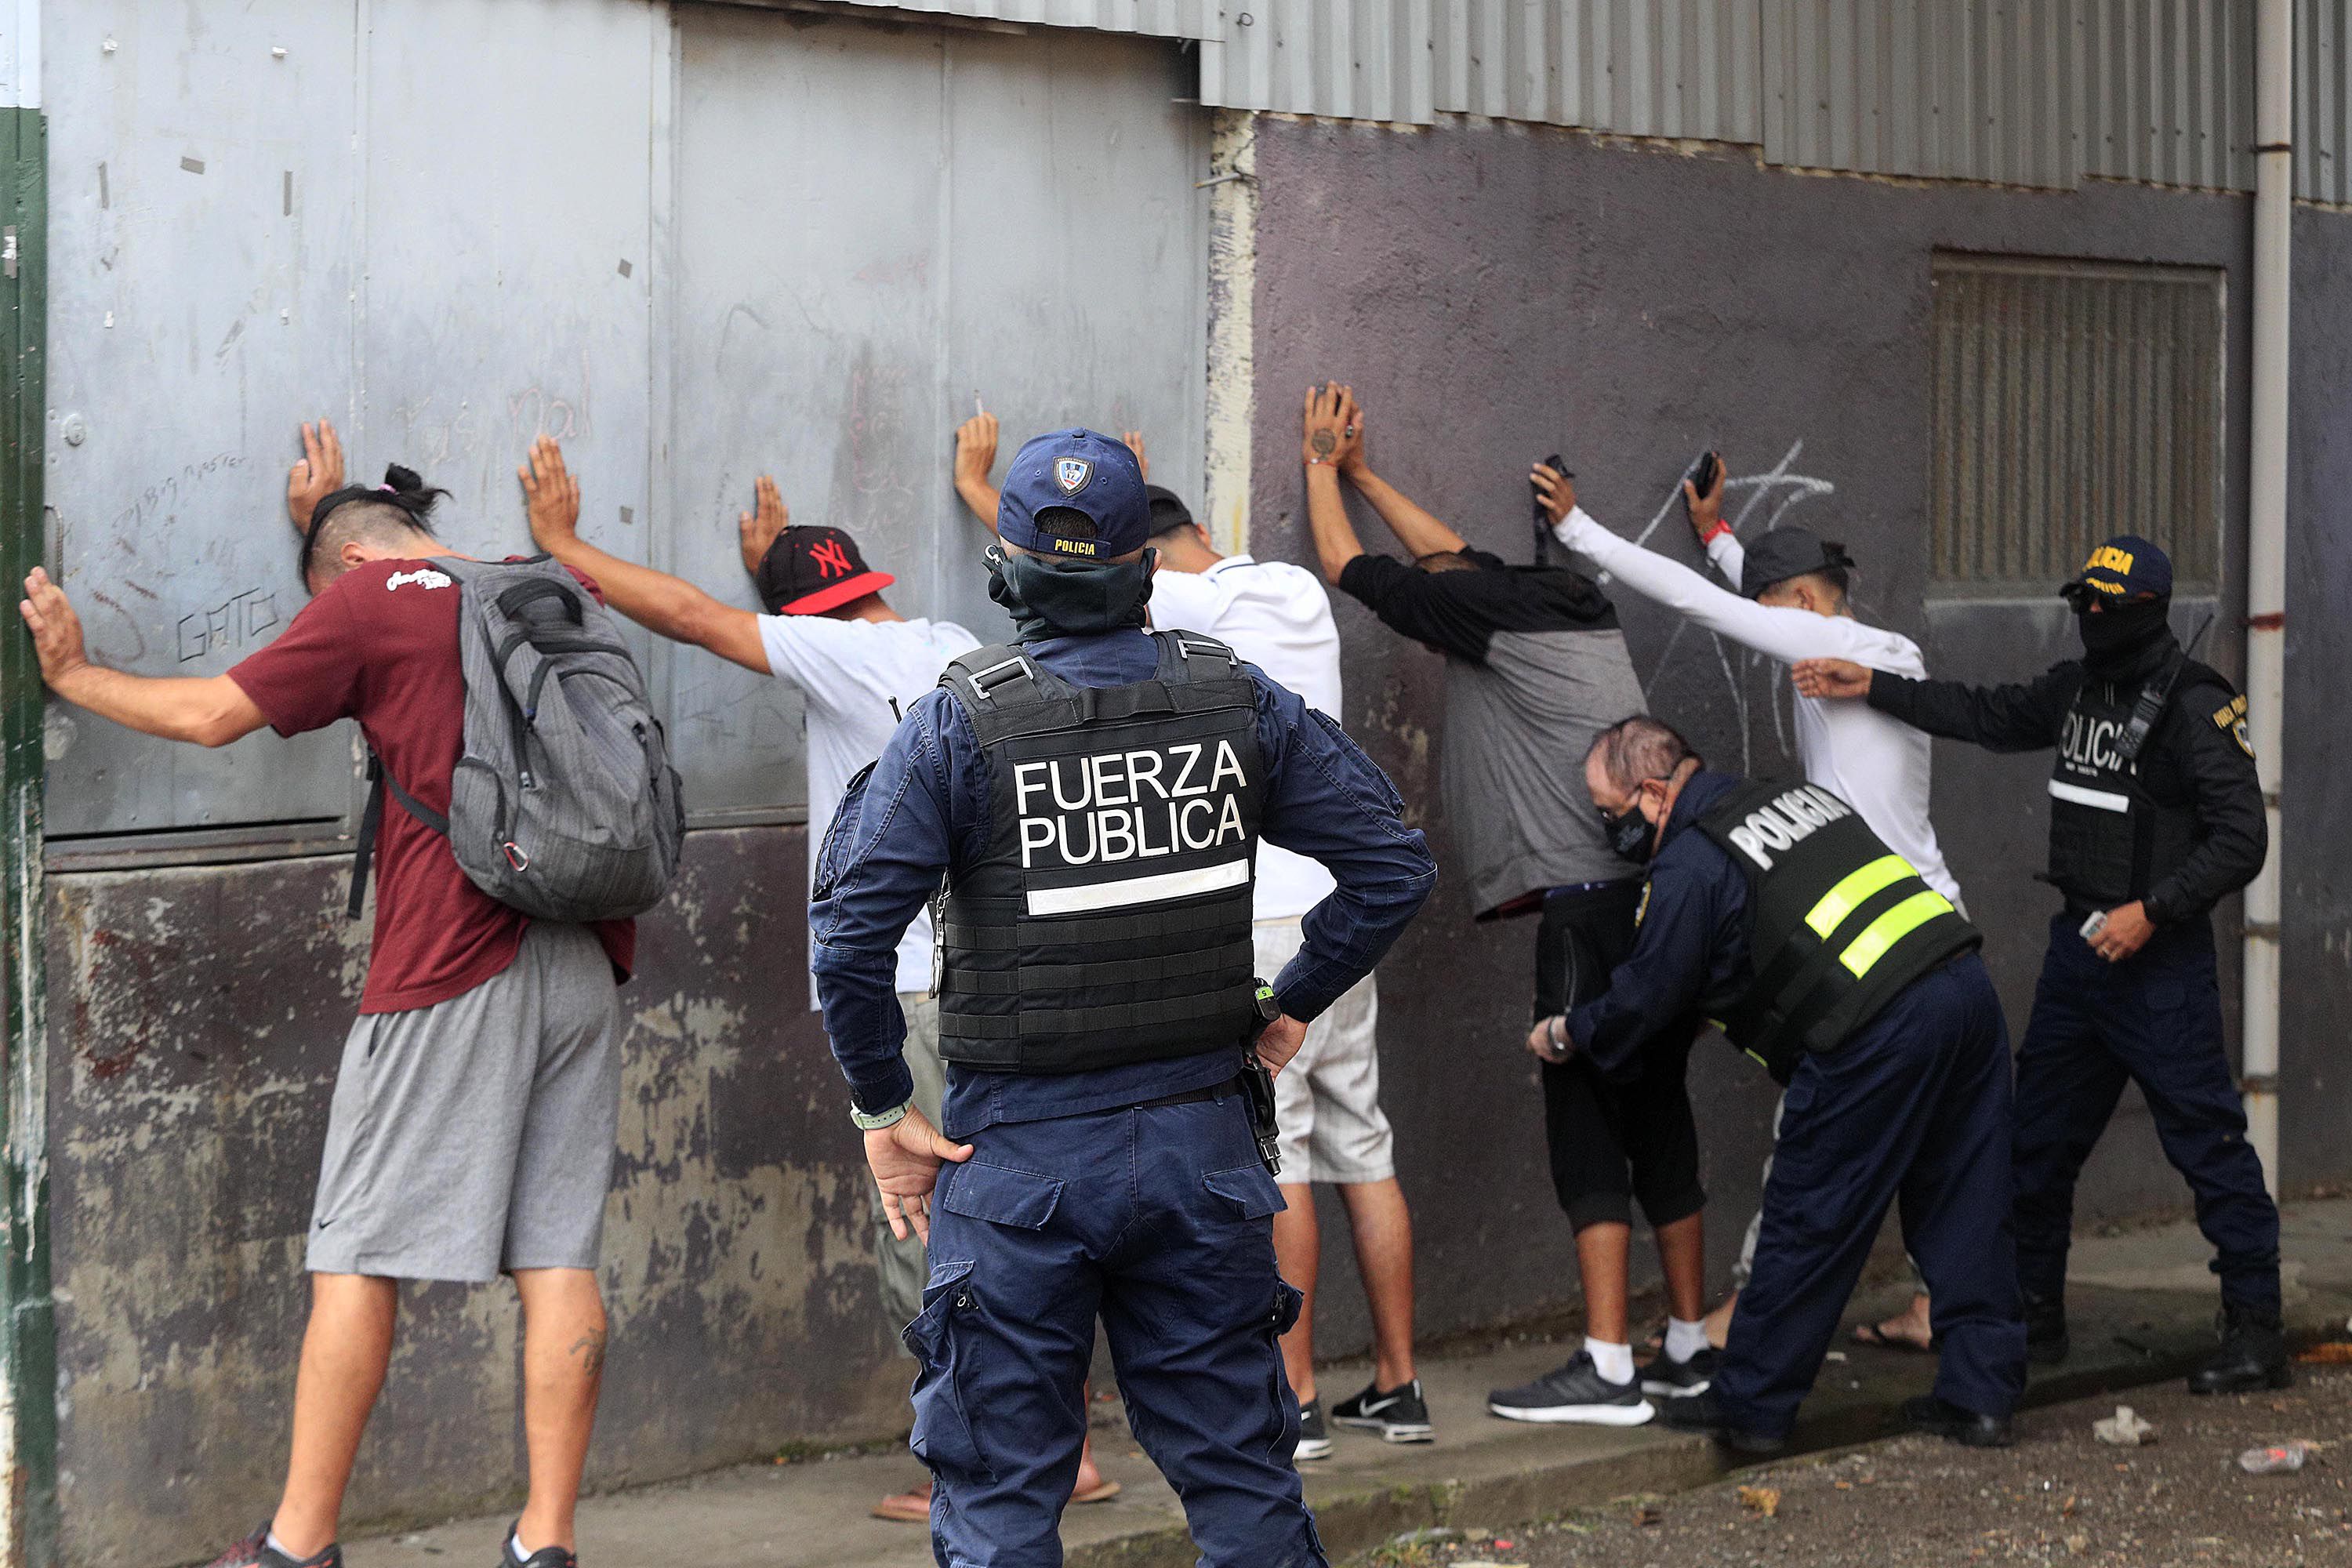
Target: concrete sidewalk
[(2142, 1307)]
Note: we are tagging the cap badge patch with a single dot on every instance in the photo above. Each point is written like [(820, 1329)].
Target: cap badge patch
[(831, 559), (1072, 474)]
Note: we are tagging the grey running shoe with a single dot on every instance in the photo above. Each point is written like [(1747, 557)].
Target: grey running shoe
[(1399, 1414), (545, 1557), (254, 1551), (1576, 1392), (1667, 1378), (1313, 1442)]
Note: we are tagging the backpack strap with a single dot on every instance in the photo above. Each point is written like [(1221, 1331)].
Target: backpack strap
[(372, 820)]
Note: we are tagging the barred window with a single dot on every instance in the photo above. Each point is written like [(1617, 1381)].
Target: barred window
[(2073, 400)]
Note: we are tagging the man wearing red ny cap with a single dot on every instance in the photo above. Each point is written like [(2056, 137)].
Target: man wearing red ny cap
[(2155, 815)]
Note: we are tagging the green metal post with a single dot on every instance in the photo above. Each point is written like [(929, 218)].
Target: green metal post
[(28, 1351)]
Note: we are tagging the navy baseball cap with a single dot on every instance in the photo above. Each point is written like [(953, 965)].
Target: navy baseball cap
[(1788, 552), (2124, 567), (1087, 472)]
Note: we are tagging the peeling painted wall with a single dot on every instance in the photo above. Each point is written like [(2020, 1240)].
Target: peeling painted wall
[(1497, 292), (199, 1016)]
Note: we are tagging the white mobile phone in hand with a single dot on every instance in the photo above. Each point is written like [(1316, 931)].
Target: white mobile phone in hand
[(2095, 925)]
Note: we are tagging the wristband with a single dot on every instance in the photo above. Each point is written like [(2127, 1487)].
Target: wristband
[(1560, 1031), (1322, 463), (881, 1121), (1720, 527)]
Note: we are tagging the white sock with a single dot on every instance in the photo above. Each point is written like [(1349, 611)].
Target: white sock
[(514, 1544), (1614, 1362), (1684, 1339)]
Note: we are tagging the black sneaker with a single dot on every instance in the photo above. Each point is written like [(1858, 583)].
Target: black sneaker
[(545, 1557), (1930, 1413), (1314, 1443), (1398, 1414), (2252, 1356), (254, 1551), (2046, 1343), (1576, 1392), (1700, 1413), (1670, 1379)]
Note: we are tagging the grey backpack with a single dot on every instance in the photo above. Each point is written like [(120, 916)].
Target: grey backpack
[(563, 804)]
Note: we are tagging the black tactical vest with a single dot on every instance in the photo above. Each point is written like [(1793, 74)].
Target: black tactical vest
[(1838, 923), (1109, 921), (2110, 840)]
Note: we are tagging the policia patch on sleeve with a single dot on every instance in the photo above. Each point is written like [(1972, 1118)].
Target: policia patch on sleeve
[(2232, 716)]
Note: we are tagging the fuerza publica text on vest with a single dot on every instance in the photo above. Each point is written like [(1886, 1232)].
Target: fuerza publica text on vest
[(1131, 805)]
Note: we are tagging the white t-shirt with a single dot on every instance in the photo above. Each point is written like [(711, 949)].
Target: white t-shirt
[(1276, 616), (1875, 764), (850, 672)]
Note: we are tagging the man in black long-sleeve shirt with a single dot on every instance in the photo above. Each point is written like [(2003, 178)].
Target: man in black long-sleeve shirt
[(2156, 814)]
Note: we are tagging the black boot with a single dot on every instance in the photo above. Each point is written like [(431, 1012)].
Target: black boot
[(1930, 1413), (2252, 1356), (2045, 1330)]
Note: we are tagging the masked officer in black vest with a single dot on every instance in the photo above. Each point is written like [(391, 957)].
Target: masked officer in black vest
[(2155, 814), (1823, 954), (1093, 796)]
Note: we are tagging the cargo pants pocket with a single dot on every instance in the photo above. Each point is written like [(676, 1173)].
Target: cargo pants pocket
[(940, 1339), (1280, 1320)]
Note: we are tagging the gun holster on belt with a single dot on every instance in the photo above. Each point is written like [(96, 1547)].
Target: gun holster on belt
[(1257, 1085)]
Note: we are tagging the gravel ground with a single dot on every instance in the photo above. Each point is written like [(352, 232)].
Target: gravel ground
[(2058, 1496)]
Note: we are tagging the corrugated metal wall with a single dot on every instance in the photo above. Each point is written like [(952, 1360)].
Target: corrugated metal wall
[(2034, 92), (2073, 400)]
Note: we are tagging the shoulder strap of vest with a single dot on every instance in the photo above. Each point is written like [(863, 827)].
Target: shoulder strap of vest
[(1000, 676), (1186, 656)]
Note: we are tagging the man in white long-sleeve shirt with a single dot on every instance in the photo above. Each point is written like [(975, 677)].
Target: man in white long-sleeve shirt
[(1791, 603)]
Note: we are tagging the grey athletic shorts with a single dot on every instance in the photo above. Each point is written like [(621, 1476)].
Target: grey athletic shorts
[(475, 1137)]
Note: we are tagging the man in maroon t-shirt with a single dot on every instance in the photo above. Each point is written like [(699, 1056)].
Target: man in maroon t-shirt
[(475, 1111)]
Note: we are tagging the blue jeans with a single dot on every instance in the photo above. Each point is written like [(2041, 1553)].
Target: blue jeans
[(1915, 1107), (1159, 1222), (2154, 1019)]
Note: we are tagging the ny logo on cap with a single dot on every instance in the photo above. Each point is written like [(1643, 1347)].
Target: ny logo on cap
[(832, 560), (1072, 474)]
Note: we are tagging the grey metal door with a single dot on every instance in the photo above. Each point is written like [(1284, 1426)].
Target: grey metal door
[(872, 224)]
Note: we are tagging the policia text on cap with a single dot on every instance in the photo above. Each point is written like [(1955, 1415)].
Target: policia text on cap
[(1093, 796), (2155, 814)]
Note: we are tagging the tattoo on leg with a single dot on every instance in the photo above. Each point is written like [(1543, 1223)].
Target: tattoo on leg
[(1324, 443), (590, 1348)]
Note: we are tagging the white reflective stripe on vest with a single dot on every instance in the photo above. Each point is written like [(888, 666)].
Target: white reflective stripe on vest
[(2105, 800), (1129, 890)]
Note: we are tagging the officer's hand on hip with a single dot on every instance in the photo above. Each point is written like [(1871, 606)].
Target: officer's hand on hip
[(906, 1157), (1549, 1039), (2125, 932), (1279, 1041)]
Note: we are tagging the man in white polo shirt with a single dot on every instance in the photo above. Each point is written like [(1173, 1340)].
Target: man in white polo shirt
[(1279, 617)]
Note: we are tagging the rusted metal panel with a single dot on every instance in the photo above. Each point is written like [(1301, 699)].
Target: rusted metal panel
[(198, 1018), (2072, 401), (2164, 92)]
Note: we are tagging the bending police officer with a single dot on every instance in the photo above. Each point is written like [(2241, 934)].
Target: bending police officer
[(1829, 960), (1094, 795), (2155, 814)]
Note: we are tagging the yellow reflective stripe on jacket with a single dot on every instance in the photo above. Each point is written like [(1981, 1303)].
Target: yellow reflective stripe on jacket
[(1854, 891), (1891, 928)]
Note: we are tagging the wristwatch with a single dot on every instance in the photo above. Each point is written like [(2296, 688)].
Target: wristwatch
[(881, 1120)]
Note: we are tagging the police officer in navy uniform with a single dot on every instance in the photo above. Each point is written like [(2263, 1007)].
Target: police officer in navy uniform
[(1094, 795), (1826, 956), (2155, 814)]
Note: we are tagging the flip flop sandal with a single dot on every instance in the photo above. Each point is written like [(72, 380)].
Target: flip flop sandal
[(1877, 1338)]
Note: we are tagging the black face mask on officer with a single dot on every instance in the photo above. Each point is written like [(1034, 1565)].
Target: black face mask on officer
[(1631, 834), (1047, 597), (2117, 636)]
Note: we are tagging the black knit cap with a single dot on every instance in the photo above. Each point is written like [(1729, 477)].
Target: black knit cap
[(1785, 553)]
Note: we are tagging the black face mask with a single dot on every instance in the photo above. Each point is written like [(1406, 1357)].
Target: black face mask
[(1048, 597), (2120, 636), (1631, 834)]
